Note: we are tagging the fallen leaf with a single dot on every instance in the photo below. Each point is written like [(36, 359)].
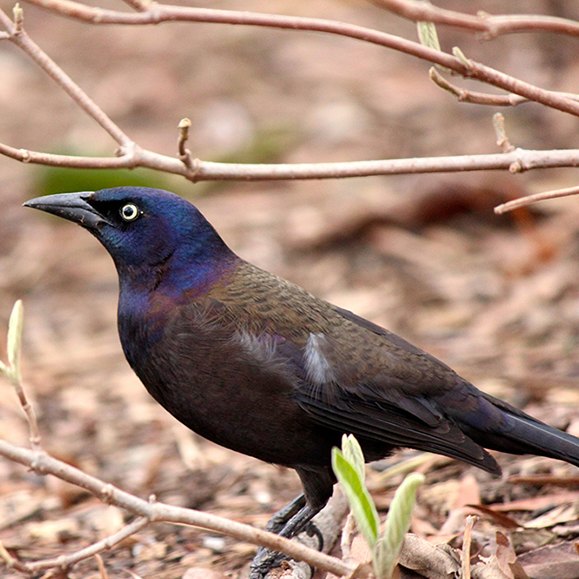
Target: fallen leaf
[(502, 564), (552, 562)]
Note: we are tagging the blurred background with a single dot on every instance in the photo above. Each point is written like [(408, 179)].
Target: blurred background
[(497, 298)]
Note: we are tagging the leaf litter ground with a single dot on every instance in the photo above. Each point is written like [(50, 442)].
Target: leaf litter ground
[(495, 298)]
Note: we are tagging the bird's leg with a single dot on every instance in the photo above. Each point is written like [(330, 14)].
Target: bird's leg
[(288, 522)]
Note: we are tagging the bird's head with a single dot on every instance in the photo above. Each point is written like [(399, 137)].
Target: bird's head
[(144, 229)]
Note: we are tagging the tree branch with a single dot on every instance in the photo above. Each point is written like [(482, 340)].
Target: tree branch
[(479, 98), (23, 41), (529, 199), (66, 561), (156, 13), (491, 26), (43, 464), (131, 155), (517, 161)]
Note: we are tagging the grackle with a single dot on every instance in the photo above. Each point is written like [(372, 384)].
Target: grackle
[(261, 366)]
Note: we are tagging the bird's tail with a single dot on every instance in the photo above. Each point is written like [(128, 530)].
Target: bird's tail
[(519, 433)]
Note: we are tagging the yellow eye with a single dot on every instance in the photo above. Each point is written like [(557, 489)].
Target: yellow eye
[(129, 212)]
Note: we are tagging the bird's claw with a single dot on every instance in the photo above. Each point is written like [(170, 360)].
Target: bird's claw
[(264, 561)]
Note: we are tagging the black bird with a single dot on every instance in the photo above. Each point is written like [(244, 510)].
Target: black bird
[(261, 366)]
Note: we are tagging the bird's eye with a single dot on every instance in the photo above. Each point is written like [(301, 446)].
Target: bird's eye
[(129, 212)]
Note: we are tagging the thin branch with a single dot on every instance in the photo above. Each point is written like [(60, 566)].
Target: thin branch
[(184, 153), (480, 98), (157, 13), (477, 98), (23, 41), (10, 561), (101, 567), (466, 545), (491, 26), (67, 561), (501, 132), (480, 72), (44, 464), (12, 372), (519, 160), (347, 538), (529, 199), (139, 4), (196, 170)]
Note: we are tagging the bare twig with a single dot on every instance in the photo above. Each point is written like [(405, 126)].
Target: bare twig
[(139, 4), (67, 561), (184, 153), (10, 561), (502, 139), (101, 566), (18, 18), (23, 41), (156, 13), (477, 98), (43, 464), (481, 98), (524, 159), (528, 200), (491, 26), (14, 376), (195, 170), (466, 542), (348, 537)]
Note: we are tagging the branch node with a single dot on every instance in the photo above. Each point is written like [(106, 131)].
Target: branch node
[(491, 31), (516, 167), (466, 62), (61, 562), (107, 493), (98, 15), (35, 463), (195, 169)]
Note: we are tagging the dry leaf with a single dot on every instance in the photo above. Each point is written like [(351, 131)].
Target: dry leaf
[(502, 564), (552, 562), (440, 562)]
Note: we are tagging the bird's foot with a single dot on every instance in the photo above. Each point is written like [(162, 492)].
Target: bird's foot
[(279, 521), (266, 559)]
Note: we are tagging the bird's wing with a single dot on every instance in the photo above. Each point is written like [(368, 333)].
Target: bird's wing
[(389, 393)]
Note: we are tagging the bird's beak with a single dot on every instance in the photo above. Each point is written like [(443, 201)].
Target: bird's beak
[(72, 206)]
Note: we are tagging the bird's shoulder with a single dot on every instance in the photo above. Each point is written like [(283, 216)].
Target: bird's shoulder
[(330, 343)]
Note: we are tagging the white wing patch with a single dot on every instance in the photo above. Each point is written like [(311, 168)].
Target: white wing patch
[(318, 369), (261, 348)]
